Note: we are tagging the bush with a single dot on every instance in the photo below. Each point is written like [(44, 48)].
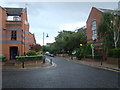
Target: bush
[(3, 58), (79, 53), (114, 53), (31, 53), (28, 58), (95, 57)]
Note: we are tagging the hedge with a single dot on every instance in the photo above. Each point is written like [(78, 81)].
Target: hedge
[(2, 58), (114, 52), (95, 57), (31, 53), (28, 58)]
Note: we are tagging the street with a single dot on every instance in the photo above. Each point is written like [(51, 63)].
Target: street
[(65, 74)]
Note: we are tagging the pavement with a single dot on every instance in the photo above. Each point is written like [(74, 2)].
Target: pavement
[(27, 66), (96, 64)]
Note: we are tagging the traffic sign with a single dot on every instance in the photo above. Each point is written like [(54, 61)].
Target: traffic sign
[(92, 45)]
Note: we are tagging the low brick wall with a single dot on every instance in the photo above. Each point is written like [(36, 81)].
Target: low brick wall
[(28, 63), (89, 60), (62, 55), (2, 63), (112, 60)]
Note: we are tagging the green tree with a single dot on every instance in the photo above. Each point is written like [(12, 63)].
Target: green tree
[(105, 30), (68, 41), (116, 28), (108, 30)]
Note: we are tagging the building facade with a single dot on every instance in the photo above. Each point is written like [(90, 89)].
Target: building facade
[(14, 32), (92, 25)]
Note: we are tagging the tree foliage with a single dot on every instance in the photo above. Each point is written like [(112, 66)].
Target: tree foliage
[(67, 42), (107, 30), (35, 47)]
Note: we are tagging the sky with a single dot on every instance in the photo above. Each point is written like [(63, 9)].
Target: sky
[(53, 17)]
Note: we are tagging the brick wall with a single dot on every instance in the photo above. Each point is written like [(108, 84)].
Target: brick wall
[(24, 37), (94, 14)]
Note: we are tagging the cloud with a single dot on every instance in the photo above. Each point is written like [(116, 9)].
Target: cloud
[(71, 27), (51, 17)]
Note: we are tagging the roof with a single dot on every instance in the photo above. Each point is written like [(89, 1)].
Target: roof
[(82, 28), (14, 11), (116, 12), (105, 10)]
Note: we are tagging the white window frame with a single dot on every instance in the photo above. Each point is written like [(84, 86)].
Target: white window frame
[(94, 32)]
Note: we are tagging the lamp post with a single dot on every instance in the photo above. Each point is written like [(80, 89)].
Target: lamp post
[(43, 46), (43, 40)]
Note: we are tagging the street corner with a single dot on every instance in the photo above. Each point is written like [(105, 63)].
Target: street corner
[(108, 68), (27, 66)]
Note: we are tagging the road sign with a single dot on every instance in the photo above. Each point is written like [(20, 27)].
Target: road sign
[(92, 45)]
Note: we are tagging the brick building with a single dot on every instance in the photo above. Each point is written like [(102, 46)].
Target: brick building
[(14, 32), (83, 29), (92, 25)]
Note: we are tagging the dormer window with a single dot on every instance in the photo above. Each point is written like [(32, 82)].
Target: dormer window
[(16, 18), (13, 18)]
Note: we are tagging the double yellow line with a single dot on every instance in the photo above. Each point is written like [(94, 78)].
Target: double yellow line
[(108, 69)]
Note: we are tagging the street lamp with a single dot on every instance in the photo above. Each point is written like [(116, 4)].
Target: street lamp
[(43, 46), (43, 40)]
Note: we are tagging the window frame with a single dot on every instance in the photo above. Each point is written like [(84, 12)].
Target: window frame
[(94, 30), (14, 35)]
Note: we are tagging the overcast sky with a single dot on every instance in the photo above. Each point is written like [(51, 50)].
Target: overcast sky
[(52, 17)]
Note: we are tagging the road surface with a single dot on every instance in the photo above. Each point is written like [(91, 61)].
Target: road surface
[(65, 74)]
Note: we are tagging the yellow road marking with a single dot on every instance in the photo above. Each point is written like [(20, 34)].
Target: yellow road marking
[(108, 69)]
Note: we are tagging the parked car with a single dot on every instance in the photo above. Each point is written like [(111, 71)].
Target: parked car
[(52, 55), (47, 53)]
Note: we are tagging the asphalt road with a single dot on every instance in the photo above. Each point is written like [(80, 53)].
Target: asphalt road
[(65, 74)]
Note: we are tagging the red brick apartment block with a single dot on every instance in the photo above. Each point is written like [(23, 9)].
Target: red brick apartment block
[(15, 37), (92, 23)]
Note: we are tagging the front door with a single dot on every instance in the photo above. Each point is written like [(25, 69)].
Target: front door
[(13, 52)]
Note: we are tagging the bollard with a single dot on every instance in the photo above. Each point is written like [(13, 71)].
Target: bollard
[(44, 59), (22, 64), (51, 61)]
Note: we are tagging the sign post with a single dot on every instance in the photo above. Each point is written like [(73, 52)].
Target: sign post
[(92, 47)]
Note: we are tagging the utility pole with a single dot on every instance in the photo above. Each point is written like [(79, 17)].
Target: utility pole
[(43, 46), (43, 41)]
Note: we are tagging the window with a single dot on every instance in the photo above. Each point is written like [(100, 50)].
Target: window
[(94, 32), (13, 18), (16, 18), (13, 35)]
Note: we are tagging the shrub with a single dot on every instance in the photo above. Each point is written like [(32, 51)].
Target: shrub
[(31, 53), (28, 58), (95, 57), (114, 53), (79, 53), (3, 58)]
